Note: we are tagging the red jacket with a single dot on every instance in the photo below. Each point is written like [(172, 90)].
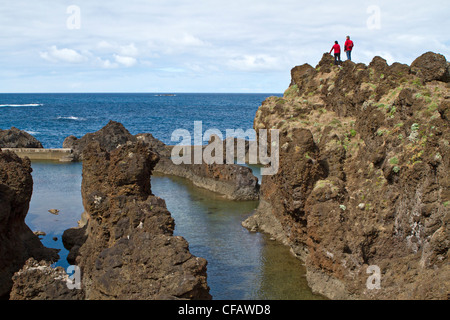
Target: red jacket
[(336, 48), (348, 45)]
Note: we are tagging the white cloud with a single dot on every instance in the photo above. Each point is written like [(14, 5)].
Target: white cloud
[(212, 38), (62, 55), (129, 50), (259, 62), (124, 50), (125, 61), (106, 63)]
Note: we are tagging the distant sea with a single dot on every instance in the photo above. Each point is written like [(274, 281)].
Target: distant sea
[(53, 117)]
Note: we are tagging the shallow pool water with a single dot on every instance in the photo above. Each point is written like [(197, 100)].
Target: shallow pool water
[(241, 264)]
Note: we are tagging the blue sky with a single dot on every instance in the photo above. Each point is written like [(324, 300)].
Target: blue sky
[(201, 46)]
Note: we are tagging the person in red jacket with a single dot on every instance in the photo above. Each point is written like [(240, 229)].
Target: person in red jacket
[(337, 53), (348, 47)]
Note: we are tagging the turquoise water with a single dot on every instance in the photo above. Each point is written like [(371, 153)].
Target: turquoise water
[(241, 265)]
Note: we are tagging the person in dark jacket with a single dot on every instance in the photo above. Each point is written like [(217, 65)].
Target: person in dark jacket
[(348, 47), (337, 53)]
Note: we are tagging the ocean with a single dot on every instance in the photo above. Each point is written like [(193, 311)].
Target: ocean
[(53, 117), (241, 265)]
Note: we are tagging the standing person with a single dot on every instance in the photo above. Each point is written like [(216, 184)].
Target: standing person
[(337, 53), (348, 47)]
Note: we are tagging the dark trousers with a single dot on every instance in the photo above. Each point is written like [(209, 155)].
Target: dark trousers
[(337, 59)]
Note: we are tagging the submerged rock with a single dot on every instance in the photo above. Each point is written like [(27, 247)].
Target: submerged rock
[(15, 138), (17, 241), (54, 211)]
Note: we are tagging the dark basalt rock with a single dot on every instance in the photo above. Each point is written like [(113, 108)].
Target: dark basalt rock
[(113, 135), (129, 250), (15, 138), (431, 66), (17, 241)]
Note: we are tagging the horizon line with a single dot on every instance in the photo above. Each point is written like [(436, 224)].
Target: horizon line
[(124, 92)]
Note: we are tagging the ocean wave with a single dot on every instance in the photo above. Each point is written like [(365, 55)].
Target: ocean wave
[(72, 118), (22, 105), (32, 132)]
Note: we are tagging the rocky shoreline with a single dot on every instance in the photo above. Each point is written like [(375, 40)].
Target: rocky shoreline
[(362, 185), (126, 249), (124, 245)]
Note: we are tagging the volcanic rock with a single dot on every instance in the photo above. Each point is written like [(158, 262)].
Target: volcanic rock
[(431, 66), (17, 241), (363, 179), (113, 135), (129, 251), (15, 138), (39, 281)]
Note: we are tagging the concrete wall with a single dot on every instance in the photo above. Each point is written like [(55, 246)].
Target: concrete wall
[(63, 155)]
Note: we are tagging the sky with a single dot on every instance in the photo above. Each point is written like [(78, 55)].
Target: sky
[(246, 46)]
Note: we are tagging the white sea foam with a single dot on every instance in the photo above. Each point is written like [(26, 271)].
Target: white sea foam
[(72, 118), (22, 105), (32, 132)]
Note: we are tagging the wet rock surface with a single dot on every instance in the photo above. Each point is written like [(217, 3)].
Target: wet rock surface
[(363, 177)]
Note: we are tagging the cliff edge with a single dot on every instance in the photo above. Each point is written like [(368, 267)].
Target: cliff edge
[(363, 182)]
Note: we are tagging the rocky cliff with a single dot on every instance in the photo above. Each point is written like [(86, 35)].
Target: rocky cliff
[(17, 242), (363, 178), (128, 250)]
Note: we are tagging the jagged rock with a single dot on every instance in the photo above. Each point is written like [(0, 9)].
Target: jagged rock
[(39, 281), (302, 75), (129, 251), (17, 241), (326, 63), (113, 135), (352, 190), (379, 64), (156, 145), (15, 138), (431, 66)]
